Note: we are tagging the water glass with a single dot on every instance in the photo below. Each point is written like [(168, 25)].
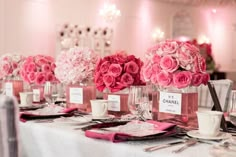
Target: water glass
[(232, 107), (139, 102), (50, 92)]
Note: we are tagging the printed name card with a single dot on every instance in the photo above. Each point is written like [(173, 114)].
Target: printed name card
[(170, 103), (115, 104), (9, 88), (36, 95), (76, 95)]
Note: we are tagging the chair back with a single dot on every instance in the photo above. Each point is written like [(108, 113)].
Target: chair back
[(223, 89)]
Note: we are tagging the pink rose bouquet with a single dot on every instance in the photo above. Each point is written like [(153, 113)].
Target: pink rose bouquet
[(175, 64), (10, 65), (118, 71), (38, 69), (76, 66)]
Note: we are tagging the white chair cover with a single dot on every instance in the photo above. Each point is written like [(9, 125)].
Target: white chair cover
[(223, 89)]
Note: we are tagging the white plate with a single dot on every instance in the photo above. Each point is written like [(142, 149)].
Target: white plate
[(220, 136), (73, 120), (105, 117)]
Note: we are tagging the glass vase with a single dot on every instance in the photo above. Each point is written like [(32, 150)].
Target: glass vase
[(38, 96), (79, 96), (178, 106), (120, 105), (13, 88)]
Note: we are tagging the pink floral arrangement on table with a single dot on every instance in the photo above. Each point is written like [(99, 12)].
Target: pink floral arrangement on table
[(10, 65), (117, 72), (76, 65), (175, 64), (38, 69)]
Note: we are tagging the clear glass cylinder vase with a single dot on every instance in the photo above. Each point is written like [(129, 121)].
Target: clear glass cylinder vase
[(79, 96), (13, 88), (119, 106), (178, 106)]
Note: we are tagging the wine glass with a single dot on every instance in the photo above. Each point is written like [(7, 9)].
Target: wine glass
[(232, 107), (50, 92), (139, 103)]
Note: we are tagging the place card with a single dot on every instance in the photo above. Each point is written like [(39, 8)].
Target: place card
[(36, 95), (9, 88), (76, 95), (170, 103), (115, 104)]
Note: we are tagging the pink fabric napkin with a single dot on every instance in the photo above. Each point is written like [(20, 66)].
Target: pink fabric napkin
[(164, 128), (25, 116)]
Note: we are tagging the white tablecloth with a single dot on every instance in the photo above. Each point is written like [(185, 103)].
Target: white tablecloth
[(61, 140)]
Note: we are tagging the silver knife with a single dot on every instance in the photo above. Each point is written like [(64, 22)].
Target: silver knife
[(161, 146)]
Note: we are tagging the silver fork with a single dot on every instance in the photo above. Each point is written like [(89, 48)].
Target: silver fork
[(189, 143)]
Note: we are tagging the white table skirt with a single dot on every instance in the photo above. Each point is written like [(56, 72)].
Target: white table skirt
[(60, 140)]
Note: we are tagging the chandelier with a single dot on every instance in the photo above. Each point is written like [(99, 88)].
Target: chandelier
[(109, 12)]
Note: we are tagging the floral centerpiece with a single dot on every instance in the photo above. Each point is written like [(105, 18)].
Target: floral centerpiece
[(116, 73), (173, 65), (10, 65), (36, 70), (75, 68)]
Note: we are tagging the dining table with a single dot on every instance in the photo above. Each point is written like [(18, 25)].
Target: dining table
[(54, 139)]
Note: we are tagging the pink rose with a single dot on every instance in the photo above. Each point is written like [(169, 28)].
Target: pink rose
[(164, 78), (202, 64), (104, 67), (154, 79), (185, 59), (197, 79), (6, 68), (147, 71), (53, 66), (205, 78), (131, 67), (169, 47), (50, 77), (156, 59), (46, 68), (14, 65), (169, 63), (127, 79), (115, 70), (195, 66), (40, 79), (108, 80), (189, 48), (31, 67), (31, 77), (156, 68), (182, 79), (98, 79)]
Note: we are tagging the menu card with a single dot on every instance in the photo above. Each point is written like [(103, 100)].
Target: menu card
[(76, 95), (9, 88), (115, 104)]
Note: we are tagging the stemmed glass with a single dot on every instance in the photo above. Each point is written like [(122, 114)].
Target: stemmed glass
[(50, 92), (139, 102), (232, 107)]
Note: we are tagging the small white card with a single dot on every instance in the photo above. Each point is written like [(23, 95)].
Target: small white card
[(170, 103), (36, 95), (76, 95), (115, 104), (9, 88)]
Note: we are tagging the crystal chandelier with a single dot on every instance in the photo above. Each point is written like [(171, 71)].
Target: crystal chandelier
[(109, 12)]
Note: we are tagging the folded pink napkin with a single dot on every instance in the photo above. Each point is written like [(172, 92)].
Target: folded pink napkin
[(161, 129), (25, 116)]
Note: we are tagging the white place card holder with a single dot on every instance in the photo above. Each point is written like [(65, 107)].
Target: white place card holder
[(76, 95), (36, 95), (170, 103), (9, 88), (115, 104)]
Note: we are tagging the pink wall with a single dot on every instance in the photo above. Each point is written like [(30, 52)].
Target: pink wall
[(30, 25)]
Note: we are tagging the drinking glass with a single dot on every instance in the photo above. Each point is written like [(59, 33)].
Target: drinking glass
[(232, 107), (50, 92), (139, 102)]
